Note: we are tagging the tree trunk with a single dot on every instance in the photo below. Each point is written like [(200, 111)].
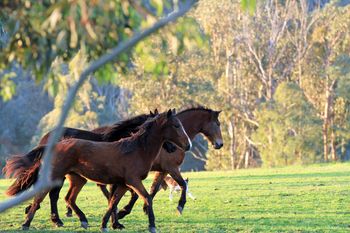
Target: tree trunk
[(246, 161), (333, 146), (343, 149), (326, 123), (232, 142)]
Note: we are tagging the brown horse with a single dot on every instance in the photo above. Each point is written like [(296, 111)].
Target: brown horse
[(125, 162), (20, 163), (195, 120)]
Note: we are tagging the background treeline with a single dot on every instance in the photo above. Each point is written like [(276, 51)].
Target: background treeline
[(280, 75)]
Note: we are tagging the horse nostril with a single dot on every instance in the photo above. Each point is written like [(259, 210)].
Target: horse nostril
[(218, 145)]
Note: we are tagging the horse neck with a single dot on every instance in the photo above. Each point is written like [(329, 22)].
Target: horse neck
[(193, 121), (153, 143)]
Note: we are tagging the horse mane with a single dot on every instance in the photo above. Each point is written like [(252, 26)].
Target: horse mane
[(124, 128), (195, 108), (139, 138)]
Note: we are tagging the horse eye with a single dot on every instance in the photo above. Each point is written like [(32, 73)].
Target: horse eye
[(218, 123), (177, 126)]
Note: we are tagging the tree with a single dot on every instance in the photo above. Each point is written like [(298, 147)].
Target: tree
[(44, 181), (295, 128), (329, 44)]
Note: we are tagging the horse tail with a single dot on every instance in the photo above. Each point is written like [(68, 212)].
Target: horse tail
[(25, 168)]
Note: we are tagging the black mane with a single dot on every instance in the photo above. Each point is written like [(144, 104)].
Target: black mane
[(123, 129), (138, 138), (194, 108)]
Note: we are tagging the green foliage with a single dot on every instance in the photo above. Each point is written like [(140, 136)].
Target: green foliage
[(87, 103), (7, 86), (292, 199), (39, 32), (163, 78), (289, 131)]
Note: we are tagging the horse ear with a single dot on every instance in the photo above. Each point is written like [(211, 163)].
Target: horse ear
[(156, 111), (169, 113), (217, 113), (151, 113), (174, 111)]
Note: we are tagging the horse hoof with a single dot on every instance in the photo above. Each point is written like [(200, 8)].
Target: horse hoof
[(25, 228), (104, 229), (59, 224), (69, 215), (152, 229), (179, 210), (84, 225), (118, 226)]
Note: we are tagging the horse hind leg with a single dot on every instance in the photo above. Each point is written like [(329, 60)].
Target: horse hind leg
[(127, 209), (157, 181), (76, 184), (33, 208), (26, 210), (54, 195)]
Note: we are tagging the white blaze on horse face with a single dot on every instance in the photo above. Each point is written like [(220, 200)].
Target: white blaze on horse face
[(188, 138)]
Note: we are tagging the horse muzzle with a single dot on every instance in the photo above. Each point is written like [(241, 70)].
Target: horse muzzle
[(218, 144)]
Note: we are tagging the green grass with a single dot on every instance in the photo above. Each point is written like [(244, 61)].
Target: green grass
[(292, 199)]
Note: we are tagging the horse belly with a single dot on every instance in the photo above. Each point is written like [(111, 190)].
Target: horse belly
[(102, 175)]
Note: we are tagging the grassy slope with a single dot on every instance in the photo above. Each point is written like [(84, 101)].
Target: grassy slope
[(292, 199)]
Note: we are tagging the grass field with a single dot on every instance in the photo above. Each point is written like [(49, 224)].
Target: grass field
[(292, 199)]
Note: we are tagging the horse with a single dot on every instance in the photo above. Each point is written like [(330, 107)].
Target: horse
[(125, 162), (195, 120), (20, 163)]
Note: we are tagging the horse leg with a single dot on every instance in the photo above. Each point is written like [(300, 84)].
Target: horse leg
[(54, 195), (26, 210), (34, 207), (117, 192), (138, 187), (115, 219), (104, 190), (157, 181), (69, 212), (76, 184), (175, 174), (127, 209), (171, 193)]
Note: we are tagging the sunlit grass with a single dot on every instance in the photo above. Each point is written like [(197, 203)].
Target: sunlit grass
[(292, 199)]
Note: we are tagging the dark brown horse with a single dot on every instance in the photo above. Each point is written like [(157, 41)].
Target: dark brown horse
[(195, 120), (124, 163), (20, 163)]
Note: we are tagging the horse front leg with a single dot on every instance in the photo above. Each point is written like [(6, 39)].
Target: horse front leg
[(157, 181), (54, 196), (114, 215), (138, 187), (175, 174), (117, 192)]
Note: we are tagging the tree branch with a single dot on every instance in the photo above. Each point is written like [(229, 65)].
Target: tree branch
[(44, 182)]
